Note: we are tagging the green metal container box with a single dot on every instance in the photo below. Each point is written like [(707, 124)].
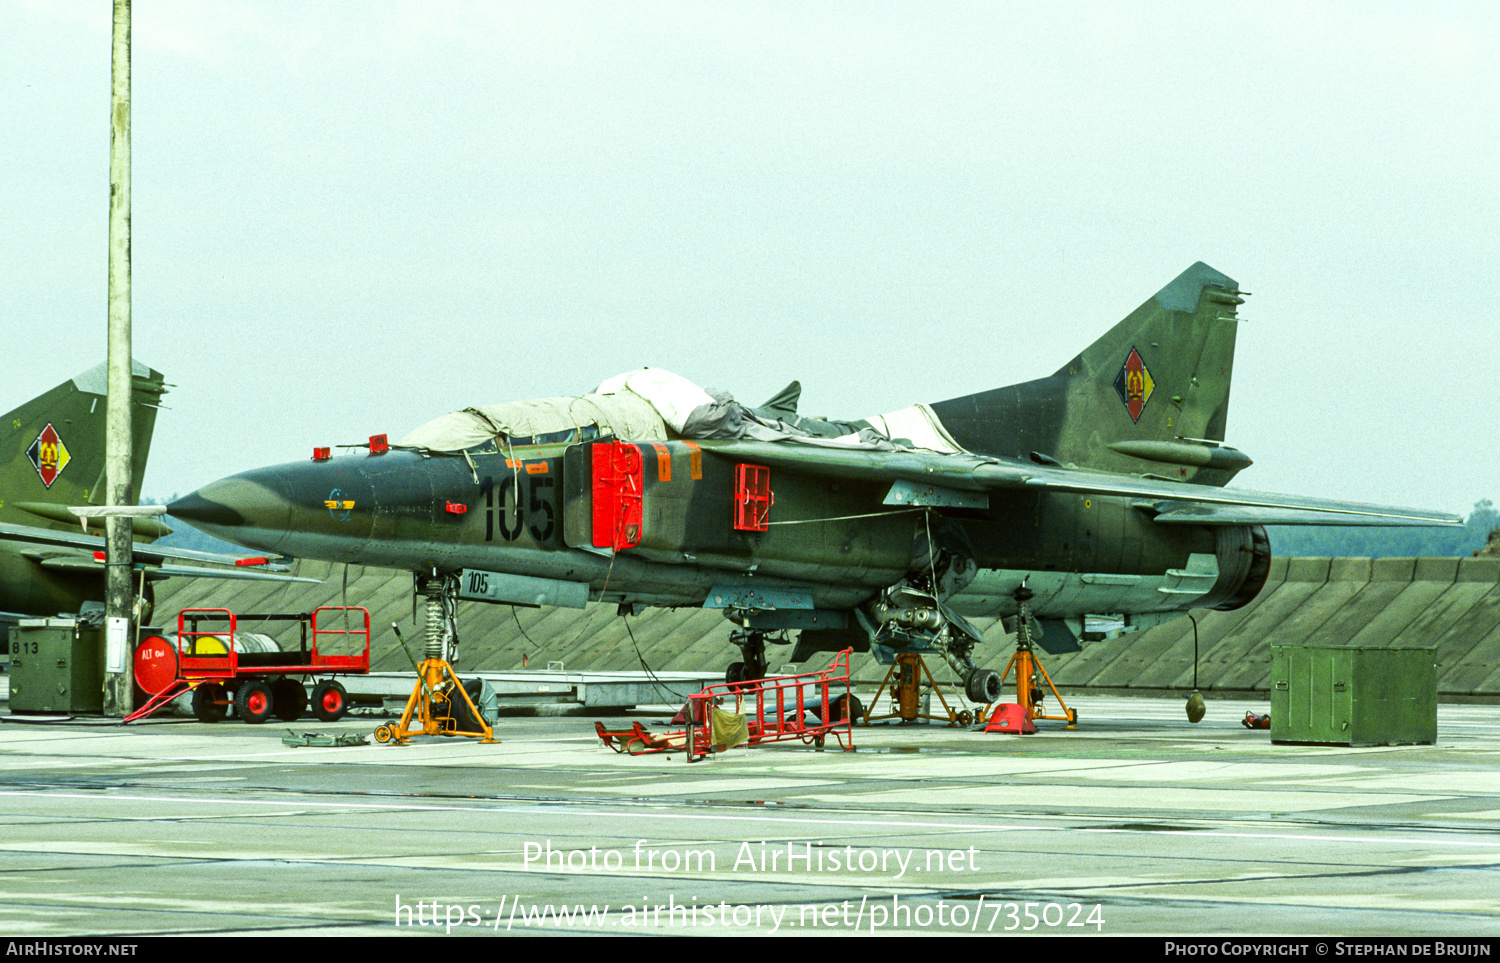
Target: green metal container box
[(1354, 696), (56, 665)]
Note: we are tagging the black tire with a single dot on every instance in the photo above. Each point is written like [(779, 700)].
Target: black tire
[(329, 701), (851, 703), (254, 702), (209, 704), (983, 686), (290, 699), (735, 672)]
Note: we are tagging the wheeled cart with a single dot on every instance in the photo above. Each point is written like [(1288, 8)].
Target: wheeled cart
[(222, 668)]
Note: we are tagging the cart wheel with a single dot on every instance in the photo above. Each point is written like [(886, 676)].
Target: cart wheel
[(290, 699), (254, 702), (209, 704), (330, 701), (818, 742), (1073, 717), (384, 735), (966, 718)]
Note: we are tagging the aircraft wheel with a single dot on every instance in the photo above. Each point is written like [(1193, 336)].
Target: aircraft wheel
[(735, 672), (983, 686), (330, 701), (383, 735), (290, 699), (208, 702), (254, 702)]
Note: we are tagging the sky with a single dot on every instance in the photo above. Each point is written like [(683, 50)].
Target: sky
[(349, 218)]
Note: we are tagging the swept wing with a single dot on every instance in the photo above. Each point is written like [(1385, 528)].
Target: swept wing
[(70, 551), (1168, 502)]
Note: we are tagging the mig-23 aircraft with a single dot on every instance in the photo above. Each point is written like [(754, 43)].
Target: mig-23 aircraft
[(1096, 491), (52, 460)]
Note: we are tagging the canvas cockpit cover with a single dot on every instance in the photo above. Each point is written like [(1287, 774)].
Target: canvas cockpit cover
[(653, 405), (625, 416)]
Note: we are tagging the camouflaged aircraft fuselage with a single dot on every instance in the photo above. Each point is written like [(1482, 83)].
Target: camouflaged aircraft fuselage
[(1096, 490)]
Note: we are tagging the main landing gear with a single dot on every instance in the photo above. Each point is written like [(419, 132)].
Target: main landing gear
[(983, 686)]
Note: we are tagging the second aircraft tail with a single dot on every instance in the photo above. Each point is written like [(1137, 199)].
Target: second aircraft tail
[(52, 447)]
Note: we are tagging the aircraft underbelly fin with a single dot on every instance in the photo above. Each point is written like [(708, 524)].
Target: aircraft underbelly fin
[(1056, 637)]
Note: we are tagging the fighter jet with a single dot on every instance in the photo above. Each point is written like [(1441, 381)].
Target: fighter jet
[(52, 459), (1099, 490)]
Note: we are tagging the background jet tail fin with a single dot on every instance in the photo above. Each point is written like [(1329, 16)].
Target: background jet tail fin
[(783, 404), (1142, 399), (52, 447)]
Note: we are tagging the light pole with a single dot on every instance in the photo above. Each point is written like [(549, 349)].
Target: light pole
[(117, 413)]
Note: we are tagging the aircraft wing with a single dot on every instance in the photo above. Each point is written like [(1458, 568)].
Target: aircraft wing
[(1168, 502), (1184, 504), (68, 551), (1199, 513)]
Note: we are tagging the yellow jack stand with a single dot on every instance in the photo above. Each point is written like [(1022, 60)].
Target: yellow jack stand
[(1030, 674), (906, 693), (432, 702)]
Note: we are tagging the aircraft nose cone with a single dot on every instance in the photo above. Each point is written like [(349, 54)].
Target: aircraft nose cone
[(245, 510), (197, 509)]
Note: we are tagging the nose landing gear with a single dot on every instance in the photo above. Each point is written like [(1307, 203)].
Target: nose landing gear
[(753, 651)]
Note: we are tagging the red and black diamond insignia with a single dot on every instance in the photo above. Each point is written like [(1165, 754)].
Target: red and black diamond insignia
[(1134, 384), (49, 456)]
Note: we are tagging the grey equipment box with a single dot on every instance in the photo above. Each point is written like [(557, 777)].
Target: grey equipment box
[(1354, 696), (56, 665)]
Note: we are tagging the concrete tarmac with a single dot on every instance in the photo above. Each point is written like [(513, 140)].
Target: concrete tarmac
[(1135, 823)]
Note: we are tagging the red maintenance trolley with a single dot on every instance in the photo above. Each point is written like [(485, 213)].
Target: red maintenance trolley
[(217, 666), (805, 708)]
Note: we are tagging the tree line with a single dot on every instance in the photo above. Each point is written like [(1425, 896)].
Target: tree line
[(1338, 540)]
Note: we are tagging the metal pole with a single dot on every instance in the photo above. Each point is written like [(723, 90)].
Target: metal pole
[(118, 597)]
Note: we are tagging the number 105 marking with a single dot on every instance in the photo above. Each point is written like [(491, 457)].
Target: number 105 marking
[(504, 508)]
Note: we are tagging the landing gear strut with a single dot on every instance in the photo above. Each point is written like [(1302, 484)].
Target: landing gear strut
[(753, 650)]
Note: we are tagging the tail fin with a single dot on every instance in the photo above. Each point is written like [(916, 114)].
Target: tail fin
[(52, 447), (1154, 388)]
